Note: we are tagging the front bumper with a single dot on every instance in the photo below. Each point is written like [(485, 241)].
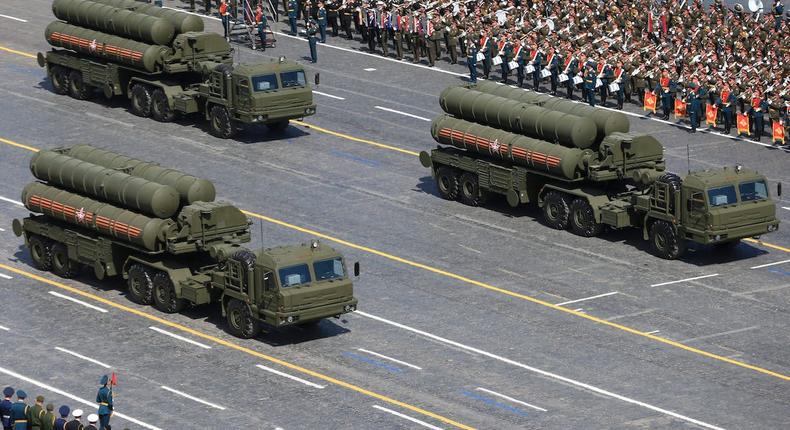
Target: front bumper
[(282, 319), (274, 115), (729, 234)]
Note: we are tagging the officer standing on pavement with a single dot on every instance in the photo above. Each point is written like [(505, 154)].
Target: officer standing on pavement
[(60, 423), (693, 107), (19, 412), (312, 29), (5, 408), (589, 84), (322, 21), (260, 21), (292, 9), (471, 61), (104, 399), (75, 423), (35, 414)]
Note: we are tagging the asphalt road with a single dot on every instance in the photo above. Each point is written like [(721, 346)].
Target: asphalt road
[(464, 299)]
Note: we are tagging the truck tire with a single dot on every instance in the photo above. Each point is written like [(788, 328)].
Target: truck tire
[(160, 108), (40, 252), (62, 265), (583, 219), (665, 241), (141, 100), (447, 183), (556, 213), (164, 294), (140, 284), (278, 126), (77, 87), (240, 322), (470, 192), (220, 122), (59, 77)]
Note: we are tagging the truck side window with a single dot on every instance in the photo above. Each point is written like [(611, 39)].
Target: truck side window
[(697, 202), (264, 82)]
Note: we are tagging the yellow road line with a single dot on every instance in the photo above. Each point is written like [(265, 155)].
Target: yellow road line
[(18, 145), (491, 287), (240, 348), (355, 139), (14, 51), (768, 245)]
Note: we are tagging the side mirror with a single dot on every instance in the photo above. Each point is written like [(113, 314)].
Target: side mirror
[(317, 78), (688, 205), (267, 280), (779, 189), (356, 268)]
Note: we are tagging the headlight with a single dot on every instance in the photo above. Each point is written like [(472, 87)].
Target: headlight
[(309, 111), (772, 227), (290, 319)]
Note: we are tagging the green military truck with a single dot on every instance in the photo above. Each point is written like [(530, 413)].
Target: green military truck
[(165, 64), (584, 184), (163, 232)]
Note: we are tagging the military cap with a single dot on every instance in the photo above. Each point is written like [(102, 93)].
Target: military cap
[(64, 411), (77, 413), (103, 380), (50, 407), (8, 391), (21, 394), (39, 398), (93, 418)]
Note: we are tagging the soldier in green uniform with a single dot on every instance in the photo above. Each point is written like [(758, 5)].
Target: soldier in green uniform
[(35, 414), (19, 412), (48, 420), (452, 42)]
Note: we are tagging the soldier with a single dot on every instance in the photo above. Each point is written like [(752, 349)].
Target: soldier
[(777, 9), (400, 22), (664, 88), (415, 30), (758, 108), (75, 423), (19, 412), (48, 420), (322, 21), (346, 16), (60, 423), (104, 395), (537, 58), (569, 69), (383, 26), (92, 420), (35, 414), (332, 15), (485, 44), (452, 42), (589, 84), (433, 36), (292, 11), (260, 22), (5, 408), (605, 75), (519, 56), (312, 29), (552, 63), (224, 13), (370, 25), (726, 103), (693, 107), (620, 78), (506, 53), (471, 62)]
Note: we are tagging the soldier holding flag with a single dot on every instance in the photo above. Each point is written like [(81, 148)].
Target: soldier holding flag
[(104, 399)]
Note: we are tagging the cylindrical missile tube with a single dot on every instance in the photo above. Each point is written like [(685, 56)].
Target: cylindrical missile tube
[(182, 21), (189, 188), (607, 122), (522, 118), (525, 151), (149, 233), (115, 21), (138, 194), (107, 46)]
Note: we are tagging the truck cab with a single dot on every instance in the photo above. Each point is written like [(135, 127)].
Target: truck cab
[(287, 285)]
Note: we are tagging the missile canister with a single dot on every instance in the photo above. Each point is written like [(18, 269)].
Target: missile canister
[(112, 20), (149, 233), (189, 188), (532, 153), (607, 122), (182, 21), (511, 115), (107, 46), (114, 186)]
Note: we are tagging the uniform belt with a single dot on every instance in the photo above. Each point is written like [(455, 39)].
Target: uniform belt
[(105, 404), (19, 421)]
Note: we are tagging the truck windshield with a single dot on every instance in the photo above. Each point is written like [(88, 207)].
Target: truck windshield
[(753, 190), (264, 82), (722, 196), (328, 269), (294, 275), (293, 79)]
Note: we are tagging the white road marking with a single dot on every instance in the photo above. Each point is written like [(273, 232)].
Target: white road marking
[(13, 17), (175, 336), (183, 394), (724, 333), (107, 366), (786, 208), (4, 276), (2, 229), (389, 358), (652, 332), (104, 118), (289, 376), (685, 280), (369, 69), (510, 398), (402, 113), (72, 299), (50, 388), (328, 95), (587, 298), (4, 328), (470, 249), (540, 371), (32, 99), (16, 202), (770, 264), (406, 417), (580, 310)]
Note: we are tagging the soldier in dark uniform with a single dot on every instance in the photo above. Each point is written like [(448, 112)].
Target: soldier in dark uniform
[(777, 9), (104, 399), (569, 70), (520, 57), (92, 420), (537, 59), (506, 52), (552, 63), (332, 15), (485, 48), (471, 62), (19, 412), (260, 22), (346, 17), (60, 423), (5, 408), (605, 75), (726, 103), (292, 10), (758, 109), (693, 107), (665, 88), (75, 423), (322, 21), (312, 29), (370, 24), (620, 77), (589, 84)]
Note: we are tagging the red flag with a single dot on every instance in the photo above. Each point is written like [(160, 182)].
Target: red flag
[(680, 109), (743, 123), (650, 22), (778, 132), (710, 114), (113, 379), (650, 101)]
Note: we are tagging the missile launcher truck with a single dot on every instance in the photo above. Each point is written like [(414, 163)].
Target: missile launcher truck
[(166, 65), (586, 172), (162, 231)]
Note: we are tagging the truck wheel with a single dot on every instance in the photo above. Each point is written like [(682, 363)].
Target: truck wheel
[(665, 241), (240, 322), (278, 125), (583, 219), (140, 285), (60, 80), (556, 213), (165, 298), (77, 87), (40, 252), (221, 123), (62, 265), (447, 183), (141, 100), (160, 108), (469, 186)]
